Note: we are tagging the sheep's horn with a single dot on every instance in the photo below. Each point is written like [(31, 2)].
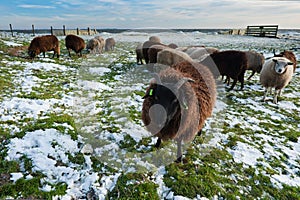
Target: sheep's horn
[(183, 81), (157, 78)]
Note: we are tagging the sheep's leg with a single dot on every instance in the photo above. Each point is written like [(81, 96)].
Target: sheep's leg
[(179, 152), (253, 72), (199, 132), (69, 52), (241, 79), (158, 142), (275, 96), (233, 84), (44, 54), (280, 92), (265, 94)]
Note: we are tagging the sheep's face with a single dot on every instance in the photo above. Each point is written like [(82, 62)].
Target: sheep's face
[(281, 65), (165, 105), (32, 53)]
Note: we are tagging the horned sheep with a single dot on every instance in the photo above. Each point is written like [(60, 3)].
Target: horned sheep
[(276, 73), (74, 43), (178, 102), (110, 44), (42, 44)]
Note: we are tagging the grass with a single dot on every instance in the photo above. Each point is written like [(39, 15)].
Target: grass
[(207, 171)]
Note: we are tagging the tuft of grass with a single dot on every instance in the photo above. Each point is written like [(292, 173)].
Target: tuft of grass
[(134, 186)]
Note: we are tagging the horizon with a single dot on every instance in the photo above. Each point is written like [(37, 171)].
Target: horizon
[(134, 14)]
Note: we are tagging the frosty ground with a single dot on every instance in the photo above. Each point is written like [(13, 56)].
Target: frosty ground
[(71, 128)]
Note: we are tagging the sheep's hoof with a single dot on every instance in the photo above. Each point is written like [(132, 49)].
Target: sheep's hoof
[(178, 160), (199, 132), (158, 142)]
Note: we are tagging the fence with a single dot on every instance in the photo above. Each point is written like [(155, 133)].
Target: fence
[(262, 31), (63, 31)]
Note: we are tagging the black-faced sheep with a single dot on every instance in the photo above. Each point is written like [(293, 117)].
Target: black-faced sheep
[(93, 46), (110, 44), (170, 56), (43, 44), (255, 62), (232, 64), (178, 102), (276, 73), (102, 43), (74, 43), (289, 55)]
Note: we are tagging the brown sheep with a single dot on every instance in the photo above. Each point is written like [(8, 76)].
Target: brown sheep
[(145, 48), (154, 39), (231, 63), (289, 55), (178, 102), (42, 44), (110, 44), (255, 62), (74, 43), (154, 49)]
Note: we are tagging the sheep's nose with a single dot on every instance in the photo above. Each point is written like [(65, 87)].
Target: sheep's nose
[(279, 70)]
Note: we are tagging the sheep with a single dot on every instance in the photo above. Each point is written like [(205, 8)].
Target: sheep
[(145, 48), (154, 39), (74, 43), (289, 55), (102, 43), (170, 56), (177, 103), (276, 73), (255, 62), (110, 44), (139, 54), (43, 44), (94, 45), (153, 51), (228, 63), (200, 52)]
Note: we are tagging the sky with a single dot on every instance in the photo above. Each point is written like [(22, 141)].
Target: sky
[(134, 14)]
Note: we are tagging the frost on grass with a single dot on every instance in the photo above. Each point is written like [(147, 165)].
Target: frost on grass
[(77, 123)]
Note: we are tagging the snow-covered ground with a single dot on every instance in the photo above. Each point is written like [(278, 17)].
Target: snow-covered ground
[(105, 101)]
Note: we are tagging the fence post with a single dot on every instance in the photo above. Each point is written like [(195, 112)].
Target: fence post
[(51, 29), (33, 30), (89, 31), (11, 30), (77, 31), (64, 30)]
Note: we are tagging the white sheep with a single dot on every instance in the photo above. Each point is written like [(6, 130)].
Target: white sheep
[(102, 43), (276, 73), (93, 46), (154, 39)]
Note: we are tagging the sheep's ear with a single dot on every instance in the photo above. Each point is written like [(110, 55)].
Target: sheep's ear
[(290, 63), (275, 60), (148, 94)]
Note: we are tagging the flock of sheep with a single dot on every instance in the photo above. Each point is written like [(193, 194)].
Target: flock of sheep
[(182, 95), (42, 44)]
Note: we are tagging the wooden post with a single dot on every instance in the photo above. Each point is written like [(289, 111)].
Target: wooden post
[(64, 30), (33, 30), (89, 31), (11, 30), (77, 31), (51, 30)]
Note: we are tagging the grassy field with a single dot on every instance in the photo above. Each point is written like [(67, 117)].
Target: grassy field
[(71, 128)]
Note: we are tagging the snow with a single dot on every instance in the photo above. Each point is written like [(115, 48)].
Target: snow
[(46, 148)]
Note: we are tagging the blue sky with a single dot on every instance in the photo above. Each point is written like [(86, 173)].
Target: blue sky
[(148, 13)]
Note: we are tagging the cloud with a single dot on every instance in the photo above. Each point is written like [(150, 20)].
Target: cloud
[(35, 6)]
